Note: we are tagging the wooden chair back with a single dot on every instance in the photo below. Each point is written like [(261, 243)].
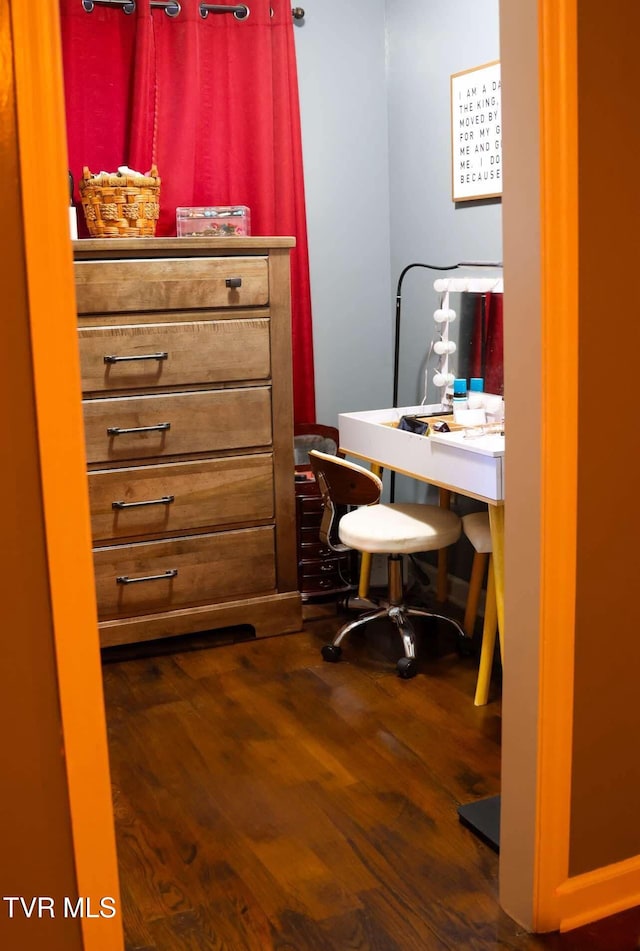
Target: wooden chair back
[(342, 484)]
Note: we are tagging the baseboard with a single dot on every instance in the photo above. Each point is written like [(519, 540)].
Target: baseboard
[(458, 588), (598, 894)]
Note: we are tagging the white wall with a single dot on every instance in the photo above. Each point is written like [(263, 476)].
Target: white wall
[(374, 94), (428, 41), (340, 51)]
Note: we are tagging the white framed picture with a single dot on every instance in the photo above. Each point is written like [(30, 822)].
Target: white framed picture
[(476, 133)]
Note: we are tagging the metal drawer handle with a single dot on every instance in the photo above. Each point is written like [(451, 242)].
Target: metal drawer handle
[(233, 282), (124, 579), (116, 431), (112, 358), (165, 500)]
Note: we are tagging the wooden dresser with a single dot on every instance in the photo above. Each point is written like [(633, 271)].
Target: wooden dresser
[(185, 353)]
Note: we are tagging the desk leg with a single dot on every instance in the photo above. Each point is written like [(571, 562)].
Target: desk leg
[(442, 582), (483, 816), (496, 523), (488, 641), (365, 575), (365, 557)]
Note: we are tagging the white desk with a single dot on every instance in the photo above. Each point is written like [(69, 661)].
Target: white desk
[(469, 465)]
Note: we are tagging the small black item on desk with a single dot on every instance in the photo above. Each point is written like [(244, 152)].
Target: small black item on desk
[(414, 424), (441, 427)]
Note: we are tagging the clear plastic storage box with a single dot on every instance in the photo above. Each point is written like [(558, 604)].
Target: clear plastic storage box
[(216, 221)]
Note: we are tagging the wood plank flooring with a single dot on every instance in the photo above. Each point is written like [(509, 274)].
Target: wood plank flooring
[(267, 801)]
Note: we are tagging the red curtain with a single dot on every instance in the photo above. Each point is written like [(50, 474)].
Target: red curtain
[(486, 356), (214, 104)]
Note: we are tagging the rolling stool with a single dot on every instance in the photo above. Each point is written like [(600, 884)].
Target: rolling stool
[(393, 530)]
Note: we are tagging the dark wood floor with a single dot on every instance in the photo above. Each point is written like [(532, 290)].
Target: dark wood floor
[(267, 800)]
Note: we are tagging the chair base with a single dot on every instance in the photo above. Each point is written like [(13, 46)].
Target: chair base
[(398, 612), (353, 602)]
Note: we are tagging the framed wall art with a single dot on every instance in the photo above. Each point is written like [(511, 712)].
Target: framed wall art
[(476, 133)]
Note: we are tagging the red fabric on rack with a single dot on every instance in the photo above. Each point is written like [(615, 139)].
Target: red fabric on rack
[(214, 104), (486, 358)]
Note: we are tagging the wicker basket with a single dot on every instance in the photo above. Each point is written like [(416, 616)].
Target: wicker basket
[(120, 206)]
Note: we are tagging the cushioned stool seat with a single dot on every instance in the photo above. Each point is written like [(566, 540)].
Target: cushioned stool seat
[(477, 529), (376, 528), (401, 527)]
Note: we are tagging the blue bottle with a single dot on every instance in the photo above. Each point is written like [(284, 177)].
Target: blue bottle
[(459, 394)]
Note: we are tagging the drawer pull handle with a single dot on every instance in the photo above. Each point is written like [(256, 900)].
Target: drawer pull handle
[(125, 579), (165, 500), (233, 282), (112, 358), (117, 431)]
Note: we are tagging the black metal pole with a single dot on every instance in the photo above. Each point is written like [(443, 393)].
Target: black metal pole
[(396, 351)]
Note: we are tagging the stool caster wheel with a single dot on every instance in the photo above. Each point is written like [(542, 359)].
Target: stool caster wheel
[(407, 667), (331, 653)]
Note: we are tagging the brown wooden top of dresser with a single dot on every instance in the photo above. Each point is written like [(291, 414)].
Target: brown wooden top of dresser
[(160, 247)]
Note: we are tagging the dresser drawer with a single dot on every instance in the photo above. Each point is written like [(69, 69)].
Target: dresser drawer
[(163, 575), (310, 513), (311, 548), (177, 354), (324, 566), (139, 427), (325, 576), (170, 284), (180, 496)]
